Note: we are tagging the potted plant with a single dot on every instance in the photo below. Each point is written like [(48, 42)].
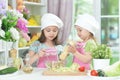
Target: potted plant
[(101, 56)]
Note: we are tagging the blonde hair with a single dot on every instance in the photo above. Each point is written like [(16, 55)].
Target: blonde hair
[(93, 37)]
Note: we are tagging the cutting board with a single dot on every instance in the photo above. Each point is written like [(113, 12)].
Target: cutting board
[(52, 73)]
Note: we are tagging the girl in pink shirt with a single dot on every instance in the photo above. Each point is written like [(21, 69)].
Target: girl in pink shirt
[(86, 26), (47, 47)]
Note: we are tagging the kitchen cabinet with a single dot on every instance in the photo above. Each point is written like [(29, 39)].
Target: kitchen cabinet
[(35, 8)]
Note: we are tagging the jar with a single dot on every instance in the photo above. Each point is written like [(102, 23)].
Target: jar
[(27, 68)]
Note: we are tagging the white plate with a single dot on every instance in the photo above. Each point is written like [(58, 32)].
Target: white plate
[(103, 78)]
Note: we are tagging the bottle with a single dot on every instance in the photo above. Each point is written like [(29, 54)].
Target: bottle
[(18, 62)]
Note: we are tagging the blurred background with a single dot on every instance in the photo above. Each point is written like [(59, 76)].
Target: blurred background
[(106, 12)]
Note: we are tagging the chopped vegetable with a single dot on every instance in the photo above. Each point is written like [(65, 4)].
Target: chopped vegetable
[(94, 73), (81, 68), (8, 70)]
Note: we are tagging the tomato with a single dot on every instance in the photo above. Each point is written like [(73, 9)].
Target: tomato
[(81, 69), (94, 73)]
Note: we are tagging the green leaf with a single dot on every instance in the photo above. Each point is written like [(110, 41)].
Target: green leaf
[(7, 35), (113, 70), (102, 52)]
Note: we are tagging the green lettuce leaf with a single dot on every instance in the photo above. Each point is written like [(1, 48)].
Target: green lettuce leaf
[(113, 70)]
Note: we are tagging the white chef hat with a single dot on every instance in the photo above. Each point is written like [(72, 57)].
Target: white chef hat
[(49, 19), (88, 22)]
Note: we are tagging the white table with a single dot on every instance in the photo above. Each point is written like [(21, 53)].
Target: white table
[(37, 75)]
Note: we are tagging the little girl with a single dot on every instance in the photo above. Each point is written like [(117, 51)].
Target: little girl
[(86, 25), (47, 47)]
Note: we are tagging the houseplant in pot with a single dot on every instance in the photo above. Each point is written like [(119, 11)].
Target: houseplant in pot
[(101, 56)]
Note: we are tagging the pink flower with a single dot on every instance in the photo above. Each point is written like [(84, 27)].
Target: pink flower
[(25, 35), (21, 24), (26, 11)]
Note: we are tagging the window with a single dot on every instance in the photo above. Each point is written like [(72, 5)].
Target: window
[(110, 22), (80, 7), (110, 26)]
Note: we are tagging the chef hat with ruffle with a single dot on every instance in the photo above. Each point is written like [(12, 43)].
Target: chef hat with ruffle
[(49, 19), (88, 22)]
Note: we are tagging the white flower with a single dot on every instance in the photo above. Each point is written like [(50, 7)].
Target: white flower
[(14, 33), (19, 14), (2, 33)]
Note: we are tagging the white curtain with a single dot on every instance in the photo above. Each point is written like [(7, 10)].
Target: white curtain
[(64, 10)]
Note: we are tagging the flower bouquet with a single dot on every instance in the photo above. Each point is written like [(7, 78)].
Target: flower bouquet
[(12, 25)]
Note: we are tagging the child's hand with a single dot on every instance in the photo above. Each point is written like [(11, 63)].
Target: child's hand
[(41, 52), (72, 49)]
